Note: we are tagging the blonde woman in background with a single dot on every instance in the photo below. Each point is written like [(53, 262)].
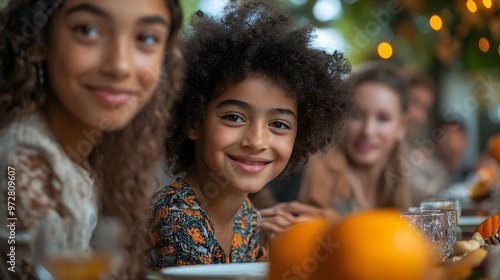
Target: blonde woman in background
[(366, 170)]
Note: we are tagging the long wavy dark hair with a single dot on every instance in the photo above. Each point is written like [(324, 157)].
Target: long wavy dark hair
[(125, 161)]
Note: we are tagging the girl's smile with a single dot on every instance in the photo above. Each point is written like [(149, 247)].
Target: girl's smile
[(112, 97), (249, 164)]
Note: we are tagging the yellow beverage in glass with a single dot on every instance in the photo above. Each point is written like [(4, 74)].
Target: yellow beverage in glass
[(91, 267)]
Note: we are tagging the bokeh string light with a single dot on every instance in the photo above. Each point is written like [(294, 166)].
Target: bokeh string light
[(384, 50), (436, 22), (471, 5), (427, 33), (484, 44)]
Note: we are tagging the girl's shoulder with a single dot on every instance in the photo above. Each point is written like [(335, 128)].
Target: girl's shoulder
[(45, 180), (29, 142), (27, 133), (248, 206), (178, 195), (29, 123), (176, 207)]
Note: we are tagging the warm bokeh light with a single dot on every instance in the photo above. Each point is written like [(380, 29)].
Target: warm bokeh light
[(471, 5), (487, 3), (484, 45), (384, 50), (436, 22), (498, 49)]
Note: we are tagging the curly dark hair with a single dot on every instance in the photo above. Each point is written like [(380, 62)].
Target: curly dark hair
[(256, 38), (130, 156)]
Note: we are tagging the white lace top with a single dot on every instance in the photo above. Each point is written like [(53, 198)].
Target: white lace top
[(55, 199)]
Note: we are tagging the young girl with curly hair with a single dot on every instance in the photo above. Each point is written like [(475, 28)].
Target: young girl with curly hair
[(85, 87), (257, 100)]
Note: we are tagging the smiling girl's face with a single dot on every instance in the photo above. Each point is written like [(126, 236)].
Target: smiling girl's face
[(104, 59), (247, 136)]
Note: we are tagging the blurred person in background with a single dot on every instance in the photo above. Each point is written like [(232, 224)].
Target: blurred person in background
[(421, 97), (364, 171), (428, 175), (451, 149)]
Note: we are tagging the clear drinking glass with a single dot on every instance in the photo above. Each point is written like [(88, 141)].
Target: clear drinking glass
[(433, 224), (446, 204), (451, 234), (99, 263)]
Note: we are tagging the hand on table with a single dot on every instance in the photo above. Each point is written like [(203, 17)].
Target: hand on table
[(278, 218)]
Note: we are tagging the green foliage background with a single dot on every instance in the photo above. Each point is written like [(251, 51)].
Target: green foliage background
[(408, 31)]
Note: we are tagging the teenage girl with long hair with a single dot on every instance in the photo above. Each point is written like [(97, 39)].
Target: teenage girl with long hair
[(85, 88)]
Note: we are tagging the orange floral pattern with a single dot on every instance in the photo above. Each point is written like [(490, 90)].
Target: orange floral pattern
[(180, 233)]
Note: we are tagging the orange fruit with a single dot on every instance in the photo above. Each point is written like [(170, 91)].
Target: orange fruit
[(378, 245), (291, 251), (494, 147)]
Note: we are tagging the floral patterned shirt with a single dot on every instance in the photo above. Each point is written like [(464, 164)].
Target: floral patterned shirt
[(179, 231)]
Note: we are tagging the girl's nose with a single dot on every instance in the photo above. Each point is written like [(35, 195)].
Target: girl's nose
[(256, 138), (117, 60)]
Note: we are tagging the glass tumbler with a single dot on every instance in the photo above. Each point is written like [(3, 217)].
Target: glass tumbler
[(433, 224), (101, 262), (451, 235), (446, 205)]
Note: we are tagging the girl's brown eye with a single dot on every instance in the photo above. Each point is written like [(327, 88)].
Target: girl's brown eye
[(280, 125), (87, 31), (233, 118)]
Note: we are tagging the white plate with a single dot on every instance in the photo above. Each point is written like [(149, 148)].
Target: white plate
[(470, 221), (234, 271)]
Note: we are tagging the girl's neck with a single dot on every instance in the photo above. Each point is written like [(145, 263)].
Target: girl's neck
[(75, 138), (216, 196)]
